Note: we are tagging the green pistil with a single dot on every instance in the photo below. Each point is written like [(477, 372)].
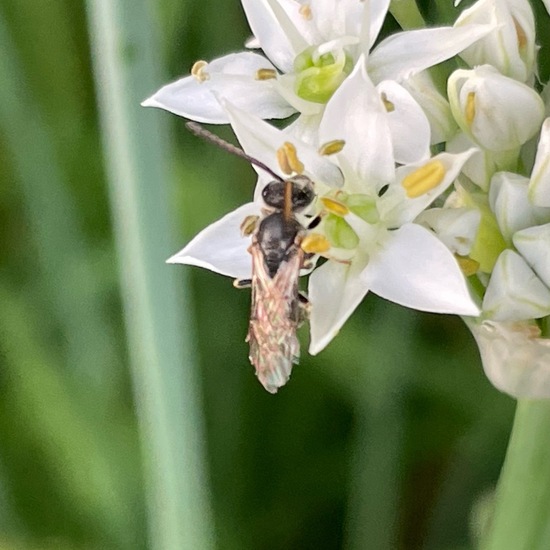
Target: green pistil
[(318, 78), (339, 232)]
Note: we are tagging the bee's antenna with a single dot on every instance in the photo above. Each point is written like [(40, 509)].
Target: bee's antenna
[(203, 133)]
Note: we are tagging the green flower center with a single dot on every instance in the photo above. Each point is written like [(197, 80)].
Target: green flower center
[(337, 230), (318, 76)]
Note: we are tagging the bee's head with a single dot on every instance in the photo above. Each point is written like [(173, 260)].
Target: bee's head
[(273, 194)]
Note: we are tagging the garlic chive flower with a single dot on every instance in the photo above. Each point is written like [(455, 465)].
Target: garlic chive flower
[(310, 49)]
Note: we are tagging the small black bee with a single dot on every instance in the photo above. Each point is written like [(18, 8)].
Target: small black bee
[(277, 257)]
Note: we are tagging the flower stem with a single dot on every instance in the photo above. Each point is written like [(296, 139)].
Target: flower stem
[(407, 14), (521, 518), (162, 355)]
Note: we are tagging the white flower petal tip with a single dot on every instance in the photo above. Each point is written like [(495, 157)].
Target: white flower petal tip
[(335, 290), (515, 358), (220, 247), (232, 76), (416, 270)]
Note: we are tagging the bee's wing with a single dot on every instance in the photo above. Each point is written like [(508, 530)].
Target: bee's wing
[(274, 347)]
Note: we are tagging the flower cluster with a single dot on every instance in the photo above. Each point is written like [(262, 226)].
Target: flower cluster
[(438, 200)]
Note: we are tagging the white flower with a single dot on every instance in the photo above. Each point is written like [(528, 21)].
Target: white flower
[(515, 357), (310, 51), (495, 111), (511, 46), (375, 246), (393, 257)]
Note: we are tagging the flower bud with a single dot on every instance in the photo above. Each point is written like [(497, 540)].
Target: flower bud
[(514, 292), (512, 208), (515, 358), (510, 47), (496, 112), (533, 244)]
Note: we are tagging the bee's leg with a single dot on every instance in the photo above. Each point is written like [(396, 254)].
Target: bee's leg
[(304, 308), (306, 262), (242, 283)]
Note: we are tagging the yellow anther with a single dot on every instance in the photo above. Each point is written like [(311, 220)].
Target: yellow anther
[(197, 70), (520, 33), (332, 147), (335, 207), (467, 265), (266, 74), (288, 159), (470, 110), (305, 11), (315, 243), (390, 106), (424, 179), (248, 226)]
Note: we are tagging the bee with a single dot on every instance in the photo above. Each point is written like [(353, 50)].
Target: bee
[(278, 307)]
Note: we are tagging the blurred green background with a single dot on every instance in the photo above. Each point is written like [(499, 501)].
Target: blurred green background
[(391, 438)]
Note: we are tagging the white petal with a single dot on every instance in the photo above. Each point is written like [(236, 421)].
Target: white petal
[(415, 269), (455, 227), (221, 247), (335, 290), (514, 292), (378, 12), (278, 36), (546, 5), (539, 185), (261, 141), (406, 53), (335, 18), (501, 48), (533, 244), (356, 114), (515, 359), (232, 77), (512, 208), (409, 126), (434, 104)]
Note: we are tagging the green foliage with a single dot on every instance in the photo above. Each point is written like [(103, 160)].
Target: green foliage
[(385, 440)]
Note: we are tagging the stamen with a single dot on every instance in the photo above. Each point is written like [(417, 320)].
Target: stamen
[(424, 179), (521, 35), (335, 207), (390, 106), (467, 265), (288, 159), (248, 226), (470, 110), (266, 74), (198, 70), (305, 12), (315, 243), (332, 147)]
